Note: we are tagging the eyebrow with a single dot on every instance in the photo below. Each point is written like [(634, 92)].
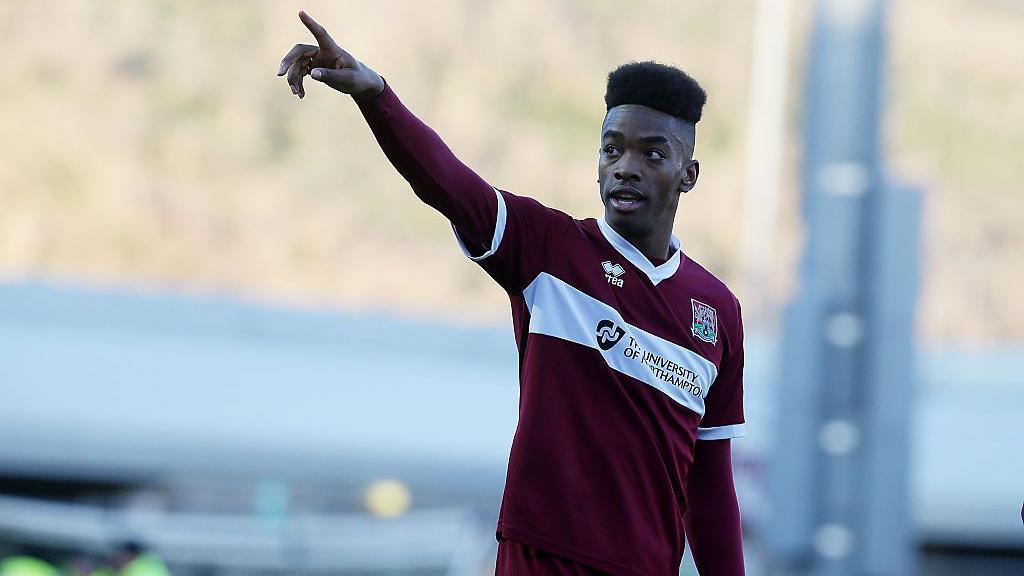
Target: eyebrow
[(644, 139)]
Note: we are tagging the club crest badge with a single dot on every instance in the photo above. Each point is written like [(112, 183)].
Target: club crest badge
[(705, 322)]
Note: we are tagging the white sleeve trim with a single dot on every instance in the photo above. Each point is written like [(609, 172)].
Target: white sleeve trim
[(722, 432), (499, 231)]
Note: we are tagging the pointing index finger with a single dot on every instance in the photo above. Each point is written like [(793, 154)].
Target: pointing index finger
[(319, 32)]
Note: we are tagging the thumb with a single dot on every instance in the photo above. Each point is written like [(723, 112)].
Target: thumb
[(340, 80)]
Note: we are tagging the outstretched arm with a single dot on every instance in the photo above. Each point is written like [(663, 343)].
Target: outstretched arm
[(712, 518), (417, 152)]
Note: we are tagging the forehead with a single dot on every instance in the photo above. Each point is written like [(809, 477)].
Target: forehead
[(634, 120)]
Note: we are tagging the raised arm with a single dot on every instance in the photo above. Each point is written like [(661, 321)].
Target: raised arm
[(417, 152), (712, 518)]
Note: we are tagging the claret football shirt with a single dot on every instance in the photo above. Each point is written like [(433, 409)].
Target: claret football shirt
[(623, 364)]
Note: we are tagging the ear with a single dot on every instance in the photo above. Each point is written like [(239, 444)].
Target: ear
[(689, 177)]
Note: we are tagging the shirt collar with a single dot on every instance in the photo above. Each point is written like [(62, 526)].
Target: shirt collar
[(636, 258)]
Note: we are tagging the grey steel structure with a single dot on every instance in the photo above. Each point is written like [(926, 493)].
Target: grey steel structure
[(839, 494)]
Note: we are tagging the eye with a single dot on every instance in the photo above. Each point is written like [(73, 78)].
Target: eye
[(655, 154), (610, 150)]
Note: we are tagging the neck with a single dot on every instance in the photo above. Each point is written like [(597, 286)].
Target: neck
[(655, 245)]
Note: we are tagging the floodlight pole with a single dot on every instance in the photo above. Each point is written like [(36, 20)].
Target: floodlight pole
[(838, 479), (766, 142)]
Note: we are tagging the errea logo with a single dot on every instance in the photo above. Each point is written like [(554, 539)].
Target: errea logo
[(612, 273)]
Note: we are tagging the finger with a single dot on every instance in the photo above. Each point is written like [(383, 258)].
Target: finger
[(338, 79), (299, 51), (319, 32), (295, 77), (296, 71)]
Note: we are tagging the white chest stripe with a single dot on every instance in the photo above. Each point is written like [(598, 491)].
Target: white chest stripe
[(557, 309)]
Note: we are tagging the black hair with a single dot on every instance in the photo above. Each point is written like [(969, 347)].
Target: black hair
[(664, 88)]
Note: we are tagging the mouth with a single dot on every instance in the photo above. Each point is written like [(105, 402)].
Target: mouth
[(625, 198)]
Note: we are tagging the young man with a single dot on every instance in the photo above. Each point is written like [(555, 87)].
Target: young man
[(631, 354)]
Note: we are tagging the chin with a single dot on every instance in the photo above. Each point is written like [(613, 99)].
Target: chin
[(624, 222)]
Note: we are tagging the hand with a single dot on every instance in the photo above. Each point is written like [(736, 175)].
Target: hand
[(328, 63)]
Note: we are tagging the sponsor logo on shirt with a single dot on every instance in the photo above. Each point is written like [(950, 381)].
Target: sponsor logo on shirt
[(560, 310), (612, 272), (705, 322), (608, 334)]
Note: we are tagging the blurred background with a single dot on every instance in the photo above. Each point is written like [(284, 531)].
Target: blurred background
[(233, 342)]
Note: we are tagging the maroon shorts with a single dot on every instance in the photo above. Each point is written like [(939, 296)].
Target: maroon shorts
[(515, 559)]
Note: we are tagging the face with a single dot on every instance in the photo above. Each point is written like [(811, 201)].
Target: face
[(646, 162)]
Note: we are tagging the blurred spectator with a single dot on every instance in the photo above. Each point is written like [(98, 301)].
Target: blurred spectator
[(27, 563), (82, 564), (132, 559)]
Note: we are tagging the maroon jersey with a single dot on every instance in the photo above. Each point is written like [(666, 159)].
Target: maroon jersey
[(624, 365)]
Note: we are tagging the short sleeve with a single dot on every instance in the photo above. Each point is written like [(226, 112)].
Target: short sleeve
[(522, 232), (723, 406)]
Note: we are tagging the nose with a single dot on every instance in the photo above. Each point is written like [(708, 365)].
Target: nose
[(626, 172)]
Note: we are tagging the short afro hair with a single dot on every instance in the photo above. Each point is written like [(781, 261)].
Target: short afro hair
[(664, 88)]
